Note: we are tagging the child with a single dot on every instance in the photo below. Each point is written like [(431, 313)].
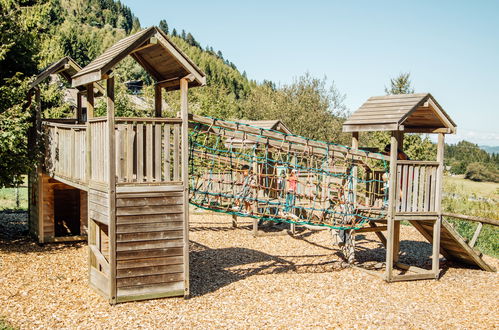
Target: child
[(291, 194), (246, 193)]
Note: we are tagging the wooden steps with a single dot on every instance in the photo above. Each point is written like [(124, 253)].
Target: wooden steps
[(452, 245)]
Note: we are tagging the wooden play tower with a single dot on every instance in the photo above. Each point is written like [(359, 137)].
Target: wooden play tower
[(129, 175), (414, 186)]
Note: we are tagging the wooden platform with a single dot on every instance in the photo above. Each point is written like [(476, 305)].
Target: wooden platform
[(452, 245)]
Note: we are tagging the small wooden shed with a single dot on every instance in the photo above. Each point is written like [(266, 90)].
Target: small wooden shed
[(415, 186)]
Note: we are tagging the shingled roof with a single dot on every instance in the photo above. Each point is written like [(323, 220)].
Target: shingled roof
[(417, 113), (164, 61), (66, 67)]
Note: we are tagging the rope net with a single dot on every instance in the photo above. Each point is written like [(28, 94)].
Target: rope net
[(250, 171)]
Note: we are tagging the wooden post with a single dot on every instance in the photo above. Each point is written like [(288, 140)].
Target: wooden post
[(39, 181), (435, 265), (184, 112), (234, 221), (157, 100), (391, 206), (396, 225), (355, 145), (78, 108), (255, 203), (111, 138), (88, 173)]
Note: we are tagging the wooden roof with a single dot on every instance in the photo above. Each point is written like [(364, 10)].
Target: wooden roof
[(164, 61), (66, 67), (412, 113), (275, 125)]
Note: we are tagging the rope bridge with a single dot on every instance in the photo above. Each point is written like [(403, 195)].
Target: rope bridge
[(255, 172)]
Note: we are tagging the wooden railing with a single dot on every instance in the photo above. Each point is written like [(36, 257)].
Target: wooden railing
[(148, 150), (65, 150), (479, 220), (417, 186)]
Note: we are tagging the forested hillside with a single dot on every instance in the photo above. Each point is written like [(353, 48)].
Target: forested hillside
[(36, 33)]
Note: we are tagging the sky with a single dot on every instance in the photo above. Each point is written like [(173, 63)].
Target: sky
[(450, 48)]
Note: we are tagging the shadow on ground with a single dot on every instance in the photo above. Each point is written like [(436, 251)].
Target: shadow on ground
[(14, 236)]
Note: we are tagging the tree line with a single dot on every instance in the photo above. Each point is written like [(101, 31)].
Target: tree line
[(35, 33)]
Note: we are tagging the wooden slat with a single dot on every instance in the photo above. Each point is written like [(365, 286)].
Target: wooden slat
[(167, 153), (130, 141), (410, 185), (145, 201), (415, 193), (404, 181), (140, 152), (149, 152), (149, 209), (152, 279), (148, 262), (433, 189), (157, 152), (168, 252), (124, 228), (149, 236), (176, 150)]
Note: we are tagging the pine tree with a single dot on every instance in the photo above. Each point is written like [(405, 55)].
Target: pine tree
[(163, 25), (400, 85), (174, 32)]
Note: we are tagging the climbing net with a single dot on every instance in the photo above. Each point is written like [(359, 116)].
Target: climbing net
[(250, 171)]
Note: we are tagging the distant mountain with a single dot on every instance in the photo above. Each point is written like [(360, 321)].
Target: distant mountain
[(491, 149)]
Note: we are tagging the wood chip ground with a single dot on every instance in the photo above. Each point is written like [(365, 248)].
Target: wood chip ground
[(240, 281)]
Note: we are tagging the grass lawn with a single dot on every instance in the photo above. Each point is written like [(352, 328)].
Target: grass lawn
[(8, 200), (469, 188)]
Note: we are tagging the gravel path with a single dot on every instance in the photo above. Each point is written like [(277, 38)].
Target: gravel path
[(241, 281)]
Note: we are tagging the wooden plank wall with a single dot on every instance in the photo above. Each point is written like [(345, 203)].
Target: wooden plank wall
[(149, 243)]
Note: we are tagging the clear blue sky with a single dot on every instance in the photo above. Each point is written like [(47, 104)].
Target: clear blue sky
[(451, 48)]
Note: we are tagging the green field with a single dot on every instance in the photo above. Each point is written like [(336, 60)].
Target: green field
[(466, 197), (469, 188)]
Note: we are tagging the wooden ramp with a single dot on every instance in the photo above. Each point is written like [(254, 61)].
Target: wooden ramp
[(452, 245)]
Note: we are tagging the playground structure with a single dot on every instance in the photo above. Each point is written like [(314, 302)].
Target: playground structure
[(126, 183)]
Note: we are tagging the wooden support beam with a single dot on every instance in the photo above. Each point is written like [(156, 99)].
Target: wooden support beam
[(380, 235), (476, 234), (391, 206), (78, 107), (111, 137), (88, 172), (438, 205), (492, 222), (152, 42), (101, 260), (372, 229), (184, 114), (158, 101)]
